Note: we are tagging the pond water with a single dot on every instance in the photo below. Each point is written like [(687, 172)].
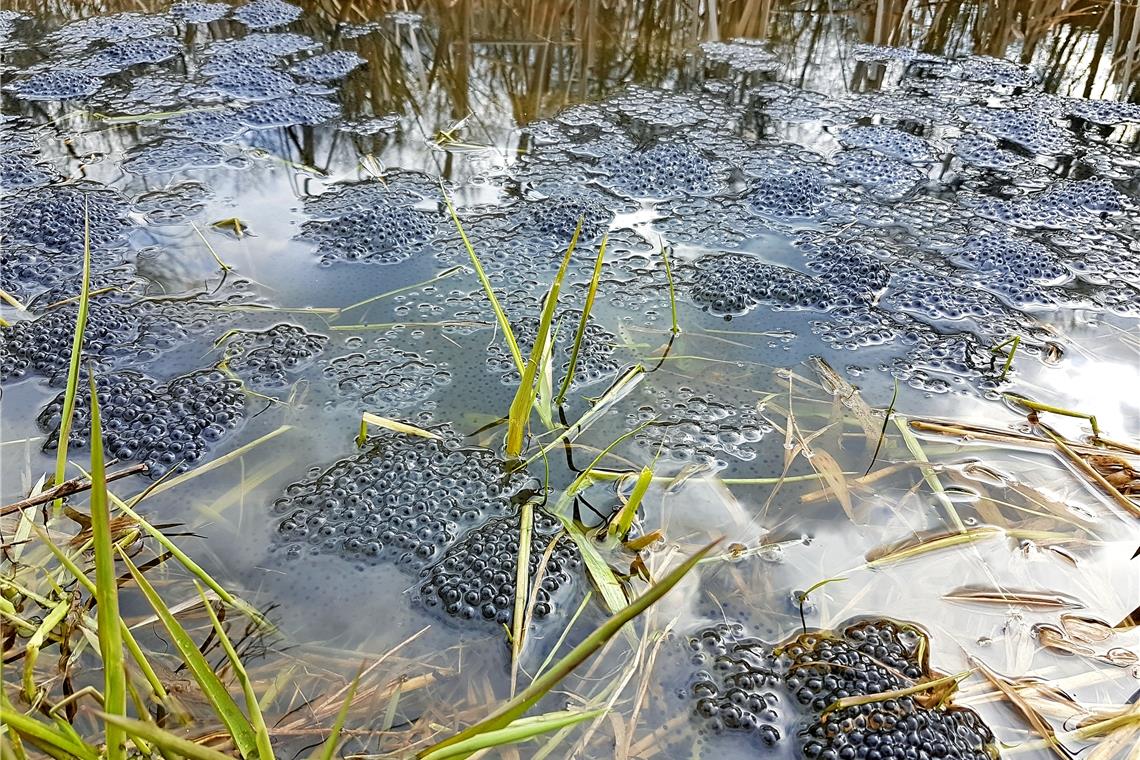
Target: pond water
[(846, 227)]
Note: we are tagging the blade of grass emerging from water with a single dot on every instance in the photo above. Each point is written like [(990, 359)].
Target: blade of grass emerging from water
[(672, 293), (72, 390), (106, 584), (518, 731), (620, 527), (51, 739), (523, 402), (212, 688), (264, 745), (522, 585), (515, 708), (504, 324), (591, 293)]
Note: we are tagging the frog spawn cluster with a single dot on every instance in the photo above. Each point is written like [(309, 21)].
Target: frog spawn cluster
[(167, 426), (746, 687), (434, 508), (267, 359)]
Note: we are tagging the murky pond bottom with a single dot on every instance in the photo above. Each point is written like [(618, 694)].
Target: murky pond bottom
[(811, 313)]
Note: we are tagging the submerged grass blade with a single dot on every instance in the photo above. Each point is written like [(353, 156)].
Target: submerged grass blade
[(591, 294), (328, 749), (219, 697), (516, 707), (523, 402), (72, 391), (184, 559), (175, 746), (518, 731), (106, 587), (928, 473), (600, 571), (504, 324)]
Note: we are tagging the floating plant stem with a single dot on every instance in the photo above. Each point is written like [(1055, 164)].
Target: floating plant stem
[(367, 419), (672, 293), (580, 335), (72, 390), (504, 324), (106, 587), (620, 527), (523, 402), (515, 708), (1037, 406), (441, 276), (918, 688), (12, 301), (802, 596)]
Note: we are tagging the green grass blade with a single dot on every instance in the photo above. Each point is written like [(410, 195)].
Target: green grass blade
[(128, 638), (175, 745), (72, 391), (523, 402), (47, 737), (620, 527), (619, 390), (928, 473), (328, 749), (516, 707), (106, 587), (220, 700), (581, 334), (239, 604), (522, 586), (256, 719), (518, 731), (504, 324), (544, 399), (32, 648)]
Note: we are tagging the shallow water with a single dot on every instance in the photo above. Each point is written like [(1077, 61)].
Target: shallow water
[(829, 208)]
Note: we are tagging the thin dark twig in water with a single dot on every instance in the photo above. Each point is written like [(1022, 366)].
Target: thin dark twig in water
[(664, 354), (67, 488), (883, 432)]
